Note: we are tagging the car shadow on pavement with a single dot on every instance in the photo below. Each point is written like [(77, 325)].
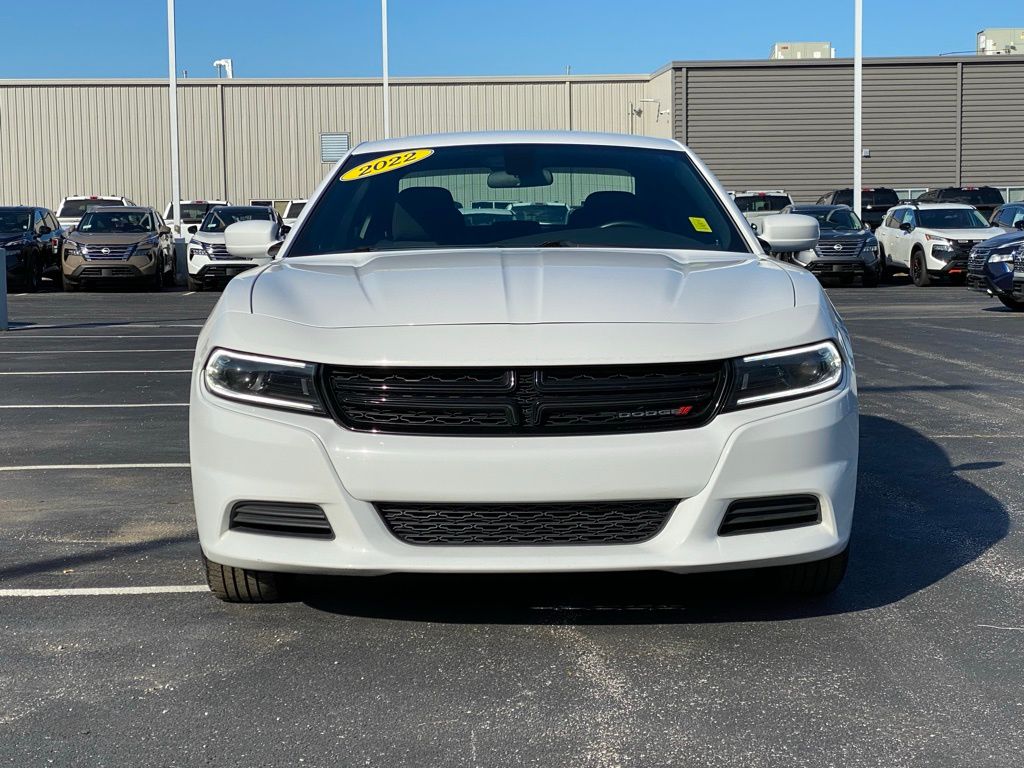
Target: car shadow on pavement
[(917, 521)]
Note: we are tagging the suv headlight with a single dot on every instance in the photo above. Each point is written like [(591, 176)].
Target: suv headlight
[(786, 374), (1005, 256), (268, 381)]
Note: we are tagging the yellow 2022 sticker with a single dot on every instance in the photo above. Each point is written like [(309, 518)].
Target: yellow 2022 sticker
[(701, 225), (386, 163)]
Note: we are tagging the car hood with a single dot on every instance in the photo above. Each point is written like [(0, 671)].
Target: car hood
[(1005, 240), (844, 234), (208, 237), (520, 286), (974, 235), (110, 238)]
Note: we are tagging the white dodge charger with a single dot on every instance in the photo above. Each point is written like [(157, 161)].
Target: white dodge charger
[(632, 385)]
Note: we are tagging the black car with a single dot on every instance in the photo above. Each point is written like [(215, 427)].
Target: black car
[(990, 268), (875, 201), (846, 248), (1009, 217), (32, 239), (985, 199)]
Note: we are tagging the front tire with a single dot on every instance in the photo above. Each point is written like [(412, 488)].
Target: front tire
[(814, 579), (33, 277), (1010, 303), (195, 285), (919, 270), (240, 585)]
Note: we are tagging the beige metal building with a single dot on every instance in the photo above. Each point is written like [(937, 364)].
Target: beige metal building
[(770, 124)]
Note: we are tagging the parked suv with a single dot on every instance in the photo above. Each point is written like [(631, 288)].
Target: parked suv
[(846, 249), (931, 240), (71, 209), (985, 199), (1009, 217), (192, 214), (31, 238), (209, 263), (990, 268), (119, 243), (875, 201), (755, 204)]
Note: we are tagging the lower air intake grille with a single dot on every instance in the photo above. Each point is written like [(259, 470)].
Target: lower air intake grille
[(770, 514), (607, 522), (281, 519)]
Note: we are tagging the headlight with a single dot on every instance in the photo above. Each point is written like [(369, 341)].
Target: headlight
[(13, 245), (259, 380), (997, 257), (148, 242), (83, 249), (786, 374)]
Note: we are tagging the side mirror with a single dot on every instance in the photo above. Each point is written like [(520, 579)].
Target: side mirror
[(251, 239), (1019, 225), (790, 232), (45, 230), (285, 229), (906, 226), (165, 230), (192, 229)]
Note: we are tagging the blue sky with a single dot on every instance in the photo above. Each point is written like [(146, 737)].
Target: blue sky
[(341, 38)]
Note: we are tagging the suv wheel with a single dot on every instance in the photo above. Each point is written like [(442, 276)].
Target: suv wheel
[(240, 585), (195, 285), (33, 278), (919, 270), (157, 283), (1010, 303)]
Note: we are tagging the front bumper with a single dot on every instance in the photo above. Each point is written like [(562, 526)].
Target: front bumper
[(244, 453), (217, 272), (838, 267), (990, 281), (140, 265)]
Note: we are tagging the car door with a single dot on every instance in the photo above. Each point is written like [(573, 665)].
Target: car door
[(886, 233), (904, 241)]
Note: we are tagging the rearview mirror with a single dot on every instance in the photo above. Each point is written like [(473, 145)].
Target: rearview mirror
[(790, 232), (251, 239), (538, 177)]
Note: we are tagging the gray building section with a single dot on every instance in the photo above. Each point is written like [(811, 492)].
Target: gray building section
[(758, 124)]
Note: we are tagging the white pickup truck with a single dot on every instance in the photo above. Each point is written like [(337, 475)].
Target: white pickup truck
[(756, 204)]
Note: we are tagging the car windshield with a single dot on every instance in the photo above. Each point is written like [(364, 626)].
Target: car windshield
[(191, 213), (619, 197), (124, 222), (951, 218), (293, 210), (757, 203), (15, 221), (840, 218), (79, 207), (221, 218)]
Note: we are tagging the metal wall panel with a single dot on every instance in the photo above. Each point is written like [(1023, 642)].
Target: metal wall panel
[(993, 124), (791, 127)]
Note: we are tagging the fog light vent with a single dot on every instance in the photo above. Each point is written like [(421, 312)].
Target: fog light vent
[(281, 519), (770, 514)]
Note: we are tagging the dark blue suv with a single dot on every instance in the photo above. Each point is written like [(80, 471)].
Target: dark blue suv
[(990, 268)]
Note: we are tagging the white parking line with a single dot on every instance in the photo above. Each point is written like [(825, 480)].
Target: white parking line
[(79, 373), (97, 591), (94, 405), (188, 293), (88, 351), (62, 467), (107, 336)]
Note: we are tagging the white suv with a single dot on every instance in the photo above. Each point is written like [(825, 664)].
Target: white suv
[(73, 208), (636, 387), (931, 240)]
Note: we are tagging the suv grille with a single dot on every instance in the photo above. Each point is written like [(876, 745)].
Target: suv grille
[(526, 401), (846, 249), (605, 522), (113, 252), (962, 249), (976, 262), (218, 251)]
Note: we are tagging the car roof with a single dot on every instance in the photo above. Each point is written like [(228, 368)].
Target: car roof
[(95, 197), (121, 208), (933, 206), (471, 138), (820, 207), (20, 207)]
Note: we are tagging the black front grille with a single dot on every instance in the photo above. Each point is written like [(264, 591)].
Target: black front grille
[(831, 267), (770, 514), (526, 401), (605, 522), (280, 518), (839, 248), (962, 249), (978, 257), (98, 273)]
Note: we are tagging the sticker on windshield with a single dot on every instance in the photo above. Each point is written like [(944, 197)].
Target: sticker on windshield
[(701, 225), (386, 163)]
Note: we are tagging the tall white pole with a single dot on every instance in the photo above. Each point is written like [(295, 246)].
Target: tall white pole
[(384, 49), (858, 103), (173, 108)]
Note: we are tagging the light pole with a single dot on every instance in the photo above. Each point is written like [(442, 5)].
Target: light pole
[(173, 108), (858, 103), (384, 51)]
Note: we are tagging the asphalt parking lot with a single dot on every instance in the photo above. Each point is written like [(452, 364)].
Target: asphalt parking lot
[(917, 660)]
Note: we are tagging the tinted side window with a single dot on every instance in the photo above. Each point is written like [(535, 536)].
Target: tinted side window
[(893, 219), (844, 197)]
